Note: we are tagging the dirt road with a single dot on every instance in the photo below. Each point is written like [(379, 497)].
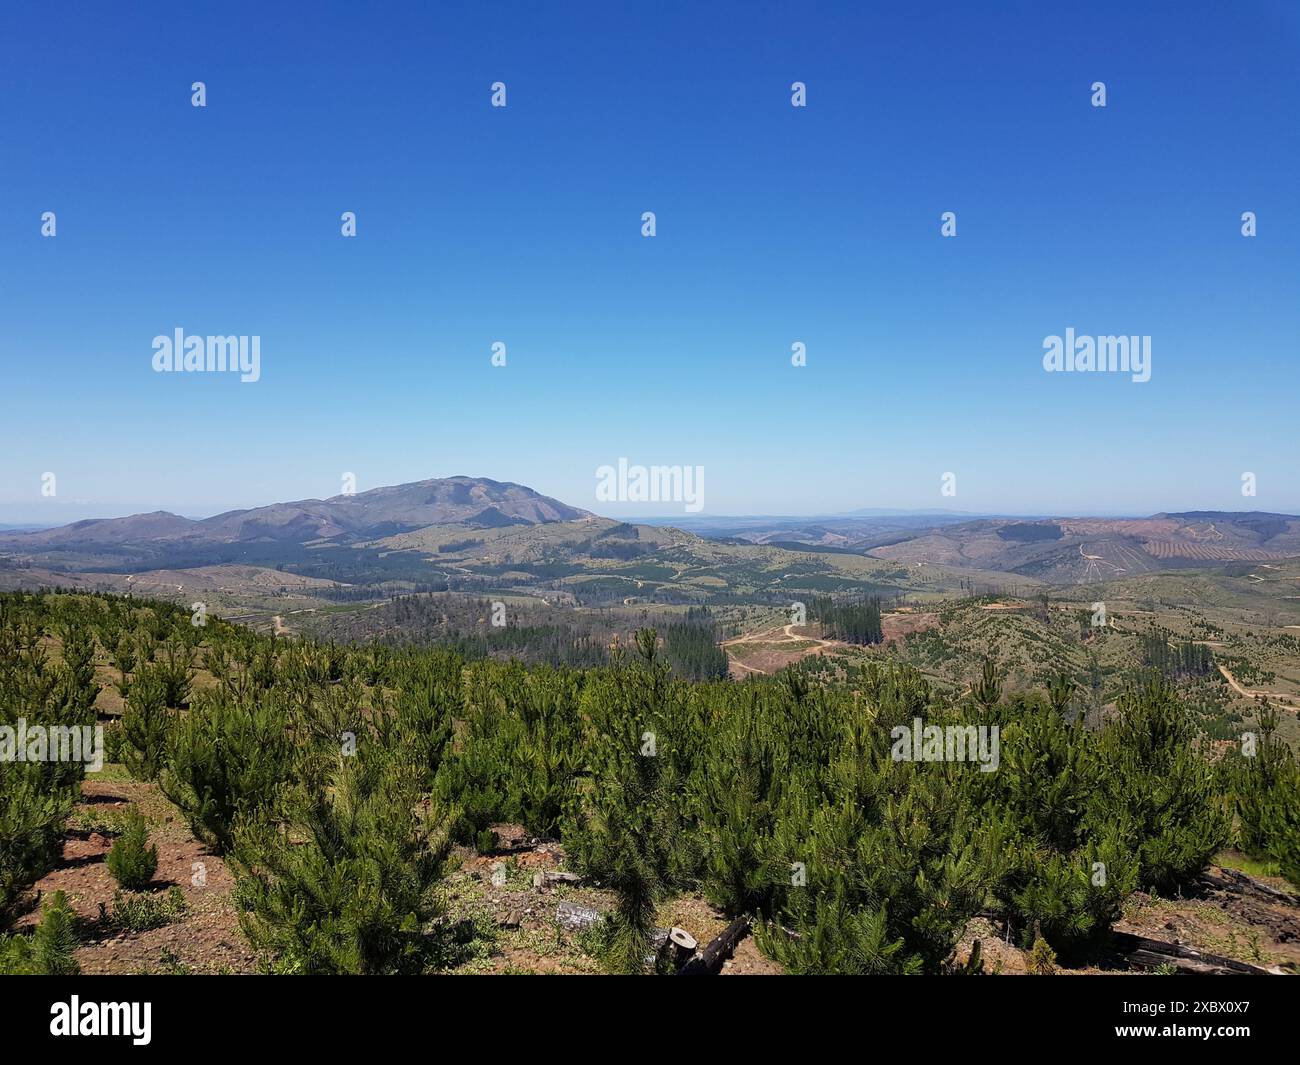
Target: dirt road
[(1288, 701)]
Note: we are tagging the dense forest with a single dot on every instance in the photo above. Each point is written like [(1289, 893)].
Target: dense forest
[(691, 647), (1176, 659), (853, 621), (335, 781)]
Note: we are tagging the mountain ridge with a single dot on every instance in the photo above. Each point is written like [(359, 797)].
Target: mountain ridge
[(376, 512)]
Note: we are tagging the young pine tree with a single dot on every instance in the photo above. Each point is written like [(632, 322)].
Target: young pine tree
[(133, 859), (146, 725), (49, 950), (1156, 789), (345, 880), (225, 759)]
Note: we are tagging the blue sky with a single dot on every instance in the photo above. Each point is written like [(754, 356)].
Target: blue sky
[(775, 224)]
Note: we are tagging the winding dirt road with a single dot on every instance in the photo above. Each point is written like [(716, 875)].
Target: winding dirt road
[(1287, 701)]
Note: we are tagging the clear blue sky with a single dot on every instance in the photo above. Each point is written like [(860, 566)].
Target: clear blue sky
[(775, 225)]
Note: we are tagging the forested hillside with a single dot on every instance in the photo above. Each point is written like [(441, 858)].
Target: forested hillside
[(346, 789)]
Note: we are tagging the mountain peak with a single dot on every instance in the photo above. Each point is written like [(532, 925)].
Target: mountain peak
[(377, 512)]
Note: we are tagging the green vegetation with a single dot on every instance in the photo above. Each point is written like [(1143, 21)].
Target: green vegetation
[(335, 779), (139, 911), (48, 951), (850, 621), (133, 860), (1263, 784)]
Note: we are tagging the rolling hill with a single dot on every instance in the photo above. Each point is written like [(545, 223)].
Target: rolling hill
[(479, 536), (1088, 550)]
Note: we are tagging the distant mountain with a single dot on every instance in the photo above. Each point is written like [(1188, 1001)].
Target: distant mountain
[(854, 533), (891, 512), (477, 535), (138, 528), (475, 502), (1086, 550)]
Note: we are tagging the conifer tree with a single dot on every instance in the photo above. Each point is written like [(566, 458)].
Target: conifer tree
[(622, 833), (146, 725), (226, 759), (344, 881), (133, 859), (1156, 786)]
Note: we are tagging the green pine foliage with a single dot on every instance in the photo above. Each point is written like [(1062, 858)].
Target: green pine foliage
[(345, 881), (133, 859), (692, 651), (32, 818), (146, 725), (336, 778), (1157, 787), (852, 621), (1059, 875), (49, 950), (226, 759), (517, 755), (624, 830), (1264, 795)]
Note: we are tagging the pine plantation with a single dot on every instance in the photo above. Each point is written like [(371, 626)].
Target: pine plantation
[(335, 781)]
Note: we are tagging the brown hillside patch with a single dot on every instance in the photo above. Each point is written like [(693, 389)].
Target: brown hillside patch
[(206, 940), (900, 624)]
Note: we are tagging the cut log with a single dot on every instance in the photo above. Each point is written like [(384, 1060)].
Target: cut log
[(684, 946), (549, 878), (554, 876), (708, 962), (1241, 884), (1151, 953)]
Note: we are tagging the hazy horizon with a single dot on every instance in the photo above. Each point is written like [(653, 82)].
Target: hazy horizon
[(55, 512)]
